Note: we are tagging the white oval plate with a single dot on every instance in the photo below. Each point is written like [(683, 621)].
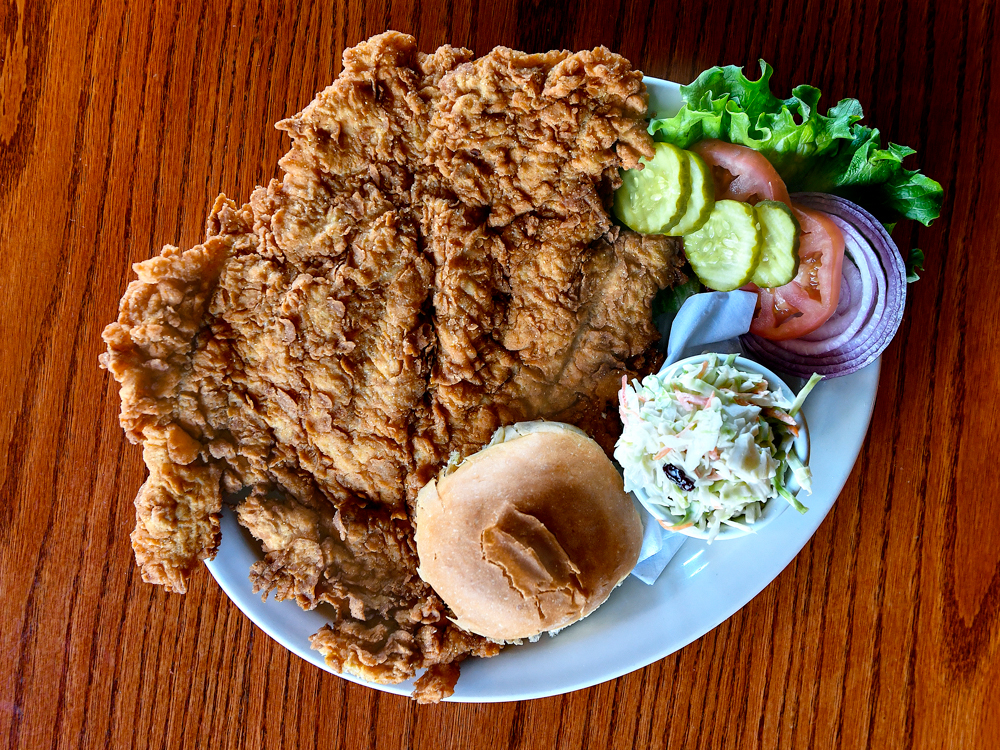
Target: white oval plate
[(701, 587)]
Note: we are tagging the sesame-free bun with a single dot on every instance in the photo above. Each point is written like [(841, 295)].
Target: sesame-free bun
[(528, 535)]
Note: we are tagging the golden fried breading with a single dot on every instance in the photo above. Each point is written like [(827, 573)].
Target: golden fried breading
[(158, 355), (547, 133), (436, 261)]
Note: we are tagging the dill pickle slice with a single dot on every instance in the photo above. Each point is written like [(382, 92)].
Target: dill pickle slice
[(699, 206), (652, 199), (779, 258), (724, 253)]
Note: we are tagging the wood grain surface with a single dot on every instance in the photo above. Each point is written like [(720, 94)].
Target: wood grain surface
[(119, 124)]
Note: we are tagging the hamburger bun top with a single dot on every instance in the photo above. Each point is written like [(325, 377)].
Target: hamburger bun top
[(528, 535)]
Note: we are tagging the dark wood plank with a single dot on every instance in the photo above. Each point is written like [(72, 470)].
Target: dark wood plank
[(119, 124)]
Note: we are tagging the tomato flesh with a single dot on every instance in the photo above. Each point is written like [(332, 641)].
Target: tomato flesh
[(740, 173), (807, 301)]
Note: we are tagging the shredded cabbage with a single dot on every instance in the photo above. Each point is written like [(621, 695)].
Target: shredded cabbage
[(711, 444)]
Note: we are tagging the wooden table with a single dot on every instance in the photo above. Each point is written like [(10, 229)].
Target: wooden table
[(119, 124)]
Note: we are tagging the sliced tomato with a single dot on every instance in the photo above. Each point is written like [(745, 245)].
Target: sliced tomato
[(807, 301), (740, 173)]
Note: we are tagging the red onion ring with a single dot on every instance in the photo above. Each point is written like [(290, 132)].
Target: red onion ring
[(860, 330)]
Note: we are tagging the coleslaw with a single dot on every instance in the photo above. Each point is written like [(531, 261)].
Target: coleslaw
[(711, 443)]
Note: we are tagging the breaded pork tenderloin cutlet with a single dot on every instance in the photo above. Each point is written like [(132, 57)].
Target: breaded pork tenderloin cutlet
[(530, 271), (437, 260), (542, 133)]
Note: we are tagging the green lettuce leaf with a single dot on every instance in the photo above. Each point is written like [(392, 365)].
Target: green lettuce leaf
[(831, 153), (669, 301), (914, 264)]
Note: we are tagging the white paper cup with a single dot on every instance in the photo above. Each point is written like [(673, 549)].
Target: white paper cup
[(772, 508)]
